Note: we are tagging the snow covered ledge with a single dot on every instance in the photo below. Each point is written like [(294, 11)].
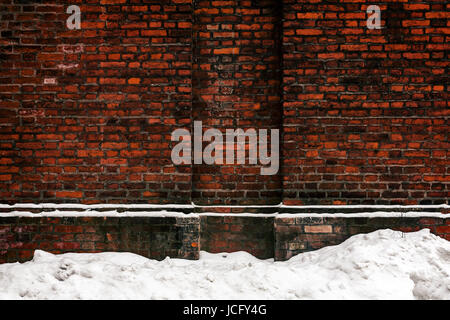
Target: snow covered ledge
[(157, 231), (192, 207)]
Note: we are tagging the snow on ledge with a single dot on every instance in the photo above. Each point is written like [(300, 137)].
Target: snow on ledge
[(348, 206), (375, 214), (167, 210), (168, 214), (374, 206), (193, 205), (112, 213)]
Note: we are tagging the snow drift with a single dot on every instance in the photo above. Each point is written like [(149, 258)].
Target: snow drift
[(384, 264)]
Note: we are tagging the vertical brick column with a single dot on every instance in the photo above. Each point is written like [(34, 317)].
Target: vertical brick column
[(236, 80), (238, 233)]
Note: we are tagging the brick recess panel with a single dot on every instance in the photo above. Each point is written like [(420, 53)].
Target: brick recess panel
[(233, 233), (152, 237), (236, 84), (296, 235)]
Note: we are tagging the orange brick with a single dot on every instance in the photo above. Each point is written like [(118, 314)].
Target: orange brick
[(226, 51), (319, 229)]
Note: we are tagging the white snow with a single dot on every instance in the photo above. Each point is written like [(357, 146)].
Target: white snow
[(94, 213), (384, 264), (165, 213), (374, 214), (167, 210), (92, 206), (193, 205)]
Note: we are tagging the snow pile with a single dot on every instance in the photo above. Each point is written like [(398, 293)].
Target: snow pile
[(381, 265)]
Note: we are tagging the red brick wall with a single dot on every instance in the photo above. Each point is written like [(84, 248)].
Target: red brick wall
[(102, 132), (364, 113)]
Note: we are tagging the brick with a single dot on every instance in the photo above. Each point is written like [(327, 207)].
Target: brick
[(69, 194), (442, 229), (309, 15), (319, 229), (226, 51)]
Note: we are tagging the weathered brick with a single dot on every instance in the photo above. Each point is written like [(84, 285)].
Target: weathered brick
[(318, 229), (167, 236)]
